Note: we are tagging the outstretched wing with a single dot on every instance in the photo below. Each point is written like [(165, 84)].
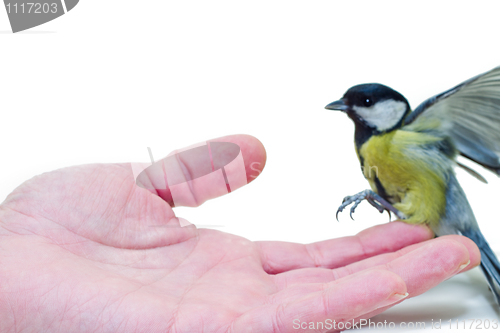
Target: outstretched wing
[(470, 114)]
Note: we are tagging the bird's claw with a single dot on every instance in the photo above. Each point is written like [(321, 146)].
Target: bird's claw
[(373, 199), (380, 208), (356, 199)]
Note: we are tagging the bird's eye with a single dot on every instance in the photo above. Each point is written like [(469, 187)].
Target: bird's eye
[(368, 102)]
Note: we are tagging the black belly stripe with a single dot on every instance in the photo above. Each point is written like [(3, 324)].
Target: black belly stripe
[(380, 189), (361, 162)]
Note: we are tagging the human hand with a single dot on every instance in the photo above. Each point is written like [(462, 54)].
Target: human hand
[(85, 249)]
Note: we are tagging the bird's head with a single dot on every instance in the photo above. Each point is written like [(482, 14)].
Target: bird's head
[(373, 105)]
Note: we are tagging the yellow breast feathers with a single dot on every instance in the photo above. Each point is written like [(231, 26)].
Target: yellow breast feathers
[(412, 171)]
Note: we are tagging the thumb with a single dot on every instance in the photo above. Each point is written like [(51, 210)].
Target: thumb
[(193, 175)]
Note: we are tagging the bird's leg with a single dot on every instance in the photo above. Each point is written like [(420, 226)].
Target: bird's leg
[(374, 199)]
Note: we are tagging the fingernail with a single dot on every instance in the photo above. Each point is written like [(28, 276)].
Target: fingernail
[(392, 299), (461, 267)]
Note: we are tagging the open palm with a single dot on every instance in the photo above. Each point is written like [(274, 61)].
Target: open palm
[(85, 249)]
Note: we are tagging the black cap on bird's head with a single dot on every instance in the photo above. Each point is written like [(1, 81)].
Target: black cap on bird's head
[(374, 106)]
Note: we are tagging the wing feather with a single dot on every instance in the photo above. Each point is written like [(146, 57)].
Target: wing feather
[(470, 114)]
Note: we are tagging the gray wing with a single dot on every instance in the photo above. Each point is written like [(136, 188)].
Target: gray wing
[(470, 114)]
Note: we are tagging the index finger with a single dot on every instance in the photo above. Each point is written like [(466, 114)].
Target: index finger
[(278, 257), (191, 176)]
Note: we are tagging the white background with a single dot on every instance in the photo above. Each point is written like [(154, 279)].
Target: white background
[(111, 78)]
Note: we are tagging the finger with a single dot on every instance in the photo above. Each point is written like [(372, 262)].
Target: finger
[(341, 301), (421, 269), (323, 275), (429, 265), (279, 257), (426, 274), (191, 176), (472, 249)]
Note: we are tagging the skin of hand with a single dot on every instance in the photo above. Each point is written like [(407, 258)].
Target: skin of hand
[(78, 253)]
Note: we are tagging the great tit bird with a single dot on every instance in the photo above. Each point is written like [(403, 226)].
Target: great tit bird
[(408, 157)]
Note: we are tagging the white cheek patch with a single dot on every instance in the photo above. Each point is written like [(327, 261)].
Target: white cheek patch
[(383, 115)]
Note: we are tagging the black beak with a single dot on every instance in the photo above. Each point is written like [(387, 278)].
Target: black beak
[(337, 105)]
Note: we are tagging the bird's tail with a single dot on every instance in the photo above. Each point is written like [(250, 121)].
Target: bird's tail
[(489, 262)]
